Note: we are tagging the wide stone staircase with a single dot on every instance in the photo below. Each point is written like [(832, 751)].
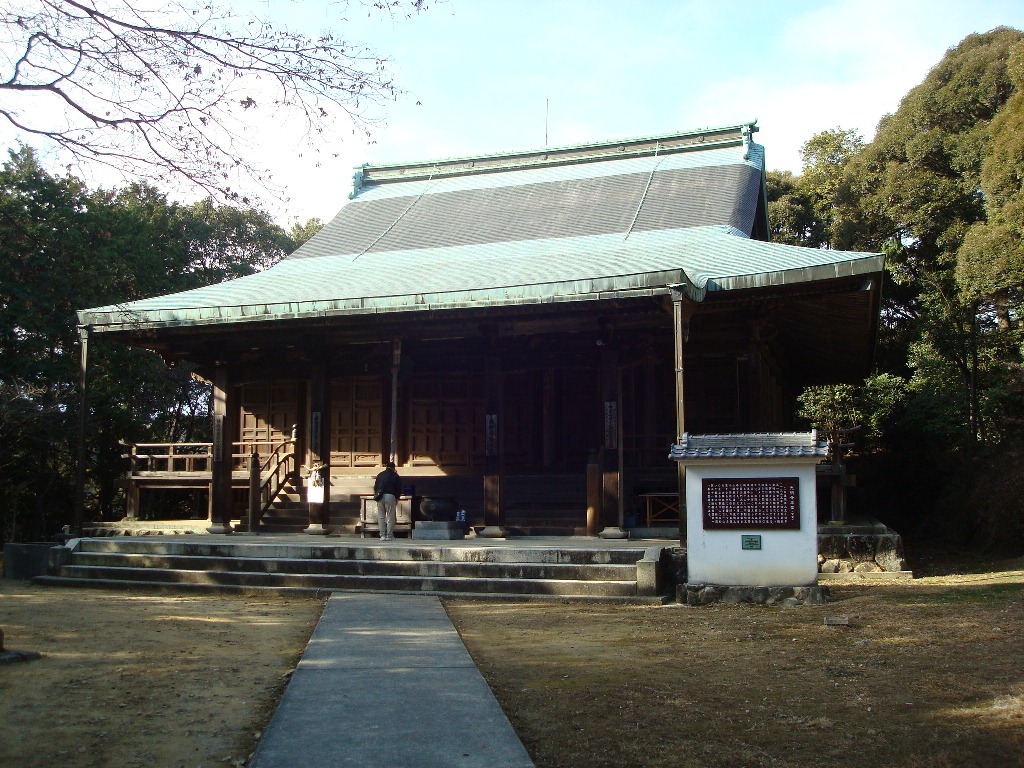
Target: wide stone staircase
[(623, 574)]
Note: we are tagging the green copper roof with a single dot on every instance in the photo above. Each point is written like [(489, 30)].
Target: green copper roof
[(608, 220), (696, 260)]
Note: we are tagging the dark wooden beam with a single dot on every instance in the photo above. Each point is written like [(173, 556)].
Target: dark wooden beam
[(225, 430), (320, 444), (494, 507)]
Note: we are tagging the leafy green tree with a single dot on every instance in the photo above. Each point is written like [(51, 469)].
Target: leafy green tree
[(300, 233), (916, 193), (62, 248), (824, 159), (792, 218)]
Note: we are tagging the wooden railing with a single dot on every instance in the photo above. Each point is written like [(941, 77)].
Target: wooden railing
[(189, 458), (267, 477), (169, 457), (269, 463)]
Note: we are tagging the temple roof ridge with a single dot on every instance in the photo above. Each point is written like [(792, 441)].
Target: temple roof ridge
[(666, 143)]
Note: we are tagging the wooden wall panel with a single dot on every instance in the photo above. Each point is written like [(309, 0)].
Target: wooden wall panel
[(357, 421), (268, 411), (446, 420)]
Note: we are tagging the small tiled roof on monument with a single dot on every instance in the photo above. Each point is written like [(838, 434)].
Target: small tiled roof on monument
[(753, 445), (616, 219)]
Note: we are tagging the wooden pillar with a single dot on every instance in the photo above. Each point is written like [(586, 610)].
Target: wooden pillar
[(611, 464), (83, 415), (549, 417), (320, 446), (651, 450), (755, 390), (682, 311), (396, 364), (225, 420), (494, 507), (594, 492)]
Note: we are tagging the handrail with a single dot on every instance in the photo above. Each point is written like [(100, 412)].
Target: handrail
[(269, 470), (194, 457), (268, 478)]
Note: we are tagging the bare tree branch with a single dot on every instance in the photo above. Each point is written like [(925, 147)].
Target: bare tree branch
[(169, 93)]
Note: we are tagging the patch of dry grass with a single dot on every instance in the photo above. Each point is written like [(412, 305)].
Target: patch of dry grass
[(924, 675), (135, 679)]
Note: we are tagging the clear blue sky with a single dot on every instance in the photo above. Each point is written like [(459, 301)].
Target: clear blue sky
[(482, 71)]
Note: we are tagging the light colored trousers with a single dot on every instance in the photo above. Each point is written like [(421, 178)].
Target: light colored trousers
[(387, 511)]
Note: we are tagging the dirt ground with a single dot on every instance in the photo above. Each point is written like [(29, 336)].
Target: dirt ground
[(132, 679), (925, 675)]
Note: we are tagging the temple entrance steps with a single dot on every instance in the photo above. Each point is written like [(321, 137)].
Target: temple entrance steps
[(288, 513), (624, 573)]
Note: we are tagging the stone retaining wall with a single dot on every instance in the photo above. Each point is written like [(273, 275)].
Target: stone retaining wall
[(840, 552), (706, 594)]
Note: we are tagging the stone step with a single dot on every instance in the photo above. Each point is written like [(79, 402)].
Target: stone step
[(456, 568), (465, 552), (418, 568), (259, 591), (461, 585)]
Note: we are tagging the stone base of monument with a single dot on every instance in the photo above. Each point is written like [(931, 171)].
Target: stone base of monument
[(439, 530), (706, 594)]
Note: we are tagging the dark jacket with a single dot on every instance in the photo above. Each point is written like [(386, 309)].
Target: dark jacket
[(388, 481)]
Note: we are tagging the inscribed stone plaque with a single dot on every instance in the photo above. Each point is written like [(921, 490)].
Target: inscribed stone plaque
[(751, 502)]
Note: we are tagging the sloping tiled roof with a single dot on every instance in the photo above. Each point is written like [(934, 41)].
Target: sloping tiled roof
[(614, 219), (495, 274), (756, 445), (598, 198)]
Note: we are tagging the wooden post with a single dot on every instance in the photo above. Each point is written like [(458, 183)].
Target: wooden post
[(494, 510), (549, 418), (83, 414), (255, 502), (682, 311), (320, 446), (594, 492), (221, 463), (396, 364), (132, 500), (611, 466)]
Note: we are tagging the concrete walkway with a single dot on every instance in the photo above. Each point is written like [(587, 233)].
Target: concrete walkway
[(386, 681)]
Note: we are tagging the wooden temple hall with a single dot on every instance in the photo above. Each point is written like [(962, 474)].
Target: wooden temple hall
[(527, 332)]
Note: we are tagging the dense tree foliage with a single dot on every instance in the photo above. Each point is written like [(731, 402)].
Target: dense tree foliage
[(939, 191), (63, 248)]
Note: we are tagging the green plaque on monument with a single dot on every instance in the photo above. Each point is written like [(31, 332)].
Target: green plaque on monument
[(750, 542)]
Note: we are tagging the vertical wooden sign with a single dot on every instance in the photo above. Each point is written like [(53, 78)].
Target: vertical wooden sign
[(611, 425), (218, 437)]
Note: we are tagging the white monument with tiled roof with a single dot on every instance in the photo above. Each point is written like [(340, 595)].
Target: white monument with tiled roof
[(751, 511)]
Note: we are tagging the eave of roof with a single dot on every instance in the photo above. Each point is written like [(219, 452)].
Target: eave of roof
[(753, 445), (695, 261)]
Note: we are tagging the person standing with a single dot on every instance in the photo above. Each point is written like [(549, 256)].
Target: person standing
[(386, 490)]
